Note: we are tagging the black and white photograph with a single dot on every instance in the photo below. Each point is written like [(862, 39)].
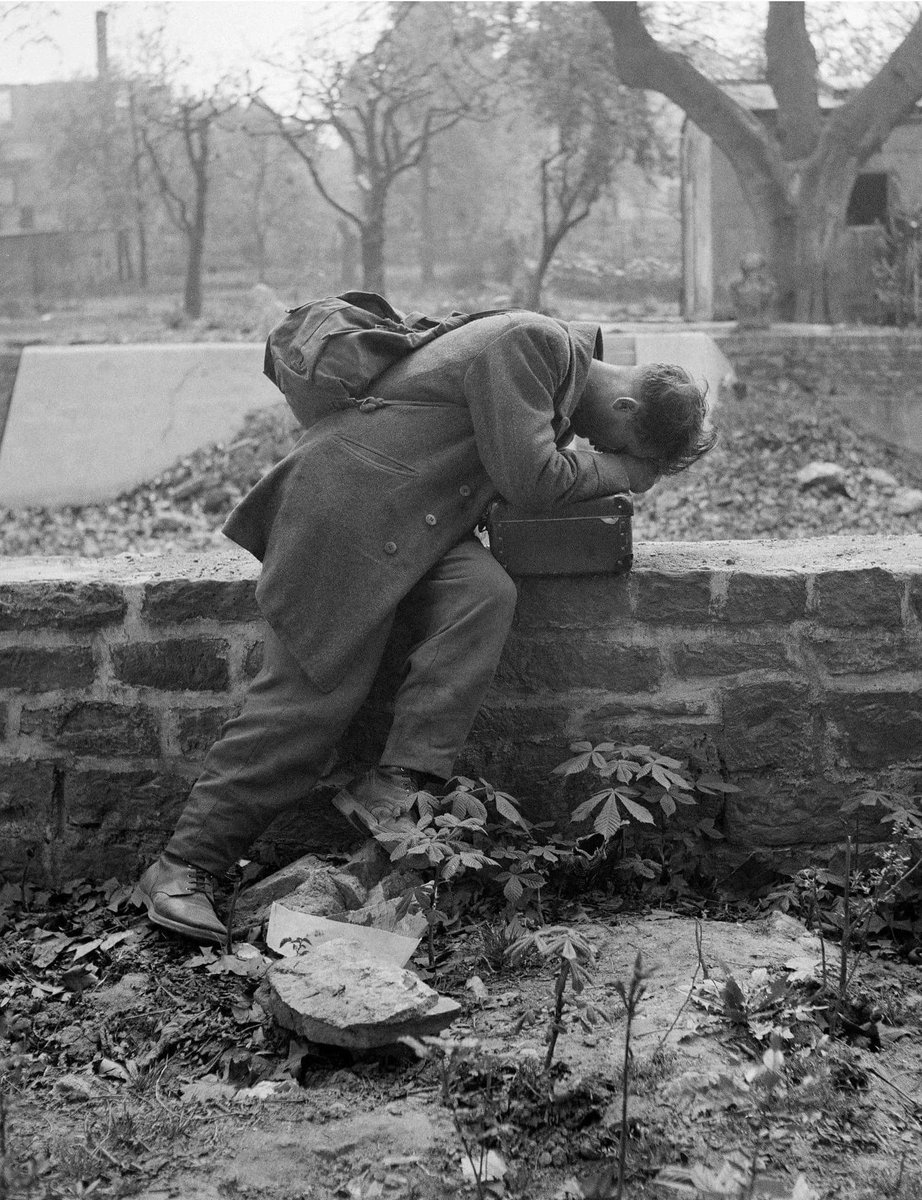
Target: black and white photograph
[(461, 600)]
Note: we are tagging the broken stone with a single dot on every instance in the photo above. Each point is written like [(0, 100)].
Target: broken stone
[(335, 996), (383, 916), (907, 501), (827, 476), (314, 886)]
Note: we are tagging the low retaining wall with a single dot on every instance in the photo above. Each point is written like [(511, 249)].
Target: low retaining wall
[(795, 668), (873, 375)]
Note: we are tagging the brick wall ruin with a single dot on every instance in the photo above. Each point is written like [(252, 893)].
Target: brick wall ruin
[(793, 667)]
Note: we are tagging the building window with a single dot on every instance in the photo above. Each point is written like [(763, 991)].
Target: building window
[(7, 191), (867, 204), (26, 217)]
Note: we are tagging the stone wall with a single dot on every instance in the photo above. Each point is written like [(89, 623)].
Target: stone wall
[(795, 668)]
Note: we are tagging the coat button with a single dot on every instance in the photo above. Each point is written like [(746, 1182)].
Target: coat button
[(464, 490), (431, 519), (390, 547)]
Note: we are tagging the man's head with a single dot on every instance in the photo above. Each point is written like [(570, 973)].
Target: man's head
[(655, 411)]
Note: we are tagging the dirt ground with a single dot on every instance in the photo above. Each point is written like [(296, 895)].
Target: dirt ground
[(132, 1064)]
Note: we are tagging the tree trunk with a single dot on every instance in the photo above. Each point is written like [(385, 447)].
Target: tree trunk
[(192, 302), (348, 255), (143, 269), (373, 242), (536, 282), (802, 243), (426, 227), (798, 177), (192, 296)]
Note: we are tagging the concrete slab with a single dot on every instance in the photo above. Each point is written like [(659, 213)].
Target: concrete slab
[(87, 422)]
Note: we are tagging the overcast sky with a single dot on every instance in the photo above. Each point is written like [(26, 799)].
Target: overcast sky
[(55, 39)]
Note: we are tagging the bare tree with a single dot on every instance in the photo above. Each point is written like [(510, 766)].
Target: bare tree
[(797, 176), (590, 123), (386, 107), (178, 140)]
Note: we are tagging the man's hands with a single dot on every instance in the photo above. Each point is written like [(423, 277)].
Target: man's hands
[(639, 474), (642, 472)]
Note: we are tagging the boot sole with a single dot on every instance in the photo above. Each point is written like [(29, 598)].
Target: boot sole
[(190, 931)]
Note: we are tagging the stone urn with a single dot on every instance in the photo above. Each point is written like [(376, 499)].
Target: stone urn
[(753, 293)]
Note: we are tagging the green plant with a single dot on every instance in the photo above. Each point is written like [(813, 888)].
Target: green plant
[(443, 846), (640, 786), (574, 958), (631, 997), (450, 1055), (875, 898)]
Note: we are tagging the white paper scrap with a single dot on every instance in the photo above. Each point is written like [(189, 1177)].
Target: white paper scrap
[(290, 933)]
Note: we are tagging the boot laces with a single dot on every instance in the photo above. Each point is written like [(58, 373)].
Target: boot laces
[(201, 880)]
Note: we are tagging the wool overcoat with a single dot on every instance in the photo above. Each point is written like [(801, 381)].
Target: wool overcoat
[(372, 497)]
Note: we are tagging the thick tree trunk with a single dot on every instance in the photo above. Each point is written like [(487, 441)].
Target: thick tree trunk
[(796, 178), (192, 296), (196, 234), (373, 230), (426, 225), (803, 242), (348, 256)]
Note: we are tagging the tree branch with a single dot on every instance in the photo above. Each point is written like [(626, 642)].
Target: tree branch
[(863, 122), (640, 61), (791, 70), (179, 214)]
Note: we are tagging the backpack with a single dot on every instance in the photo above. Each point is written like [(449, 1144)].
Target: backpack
[(324, 356)]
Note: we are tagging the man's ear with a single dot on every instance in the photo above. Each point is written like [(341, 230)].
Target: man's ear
[(626, 404)]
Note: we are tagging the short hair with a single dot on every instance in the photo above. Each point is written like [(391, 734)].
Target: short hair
[(671, 417)]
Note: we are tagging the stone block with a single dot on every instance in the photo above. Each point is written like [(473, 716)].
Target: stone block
[(26, 815), (199, 728), (915, 596), (60, 605), (577, 662), (662, 705), (317, 884), (26, 788), (95, 727), (201, 599), (767, 725), (44, 669), (499, 721), (140, 806), (175, 664), (760, 599), (589, 602), (729, 658), (335, 996), (850, 599), (677, 597), (880, 729), (253, 662), (784, 814), (867, 653)]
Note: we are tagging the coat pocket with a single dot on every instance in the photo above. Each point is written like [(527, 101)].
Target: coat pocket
[(375, 458)]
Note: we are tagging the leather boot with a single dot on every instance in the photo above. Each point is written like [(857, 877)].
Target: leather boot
[(180, 896), (379, 801)]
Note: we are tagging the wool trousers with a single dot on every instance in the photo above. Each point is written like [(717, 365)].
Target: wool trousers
[(268, 758)]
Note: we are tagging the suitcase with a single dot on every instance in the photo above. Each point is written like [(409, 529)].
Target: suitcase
[(588, 538)]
